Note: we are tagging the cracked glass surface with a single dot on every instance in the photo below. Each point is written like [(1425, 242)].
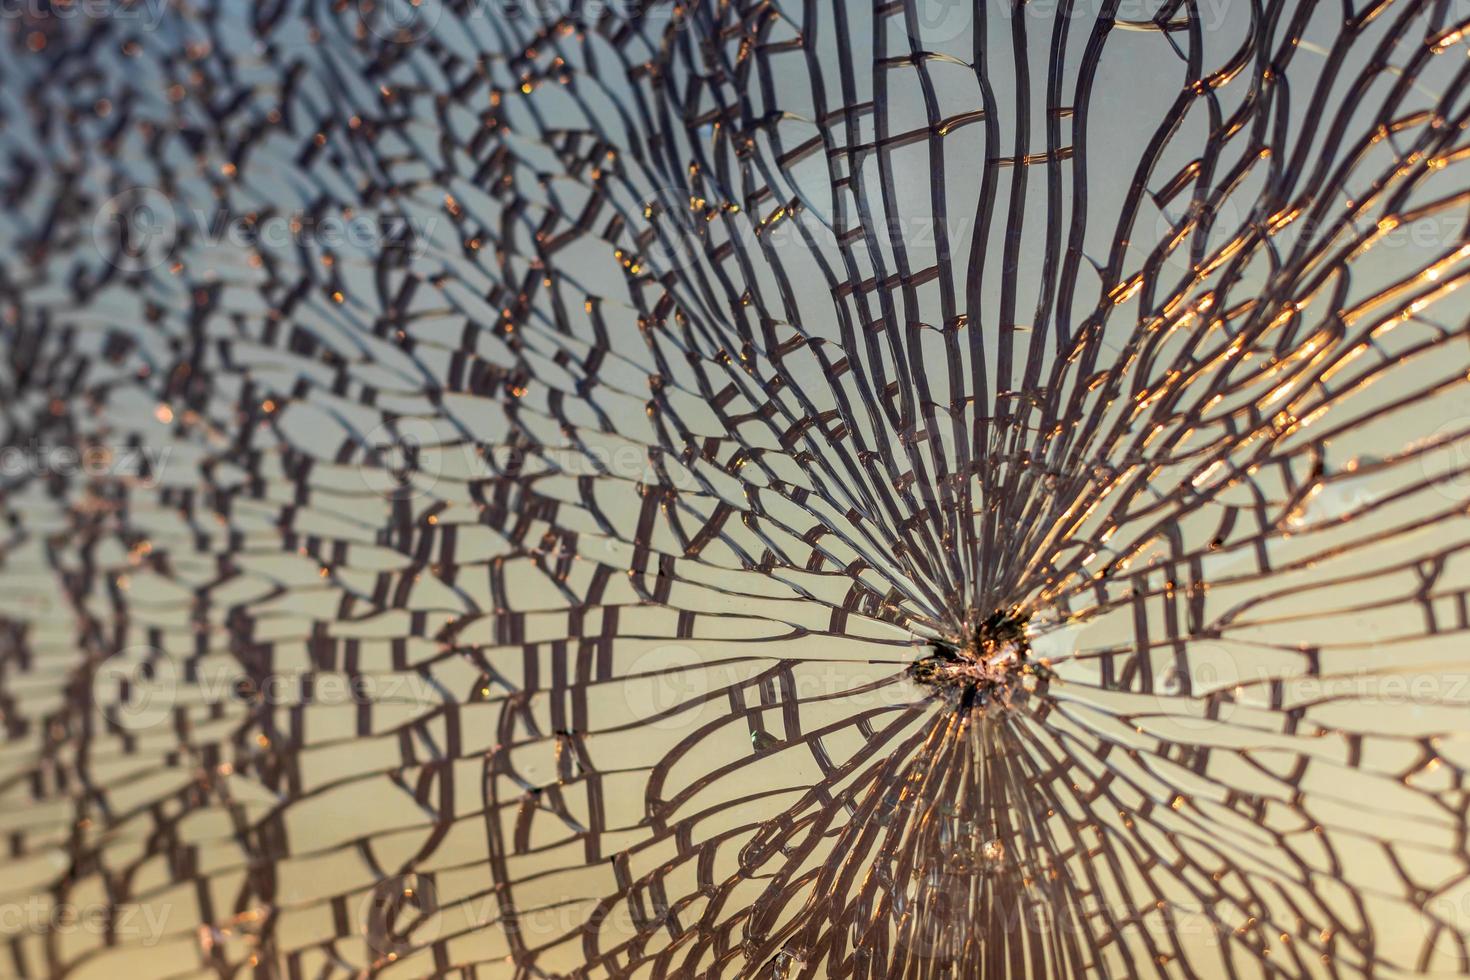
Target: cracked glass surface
[(734, 489)]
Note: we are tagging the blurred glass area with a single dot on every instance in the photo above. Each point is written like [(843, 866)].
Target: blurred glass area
[(734, 488)]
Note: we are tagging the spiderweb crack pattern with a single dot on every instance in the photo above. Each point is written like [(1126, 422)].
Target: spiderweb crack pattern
[(516, 467)]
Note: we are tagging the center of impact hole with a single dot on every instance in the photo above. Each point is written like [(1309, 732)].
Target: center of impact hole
[(993, 668)]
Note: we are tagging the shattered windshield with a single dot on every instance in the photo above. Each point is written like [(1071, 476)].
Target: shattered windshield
[(734, 488)]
